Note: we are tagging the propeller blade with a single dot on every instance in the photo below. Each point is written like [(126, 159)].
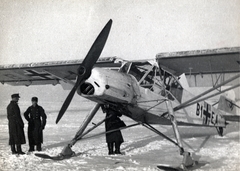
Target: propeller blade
[(96, 49), (66, 104), (84, 70), (68, 99)]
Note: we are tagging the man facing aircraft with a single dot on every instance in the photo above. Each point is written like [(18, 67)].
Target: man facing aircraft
[(113, 122)]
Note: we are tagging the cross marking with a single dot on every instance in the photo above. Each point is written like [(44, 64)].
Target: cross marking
[(33, 73)]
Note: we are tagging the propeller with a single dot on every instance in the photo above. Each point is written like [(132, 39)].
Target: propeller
[(84, 70)]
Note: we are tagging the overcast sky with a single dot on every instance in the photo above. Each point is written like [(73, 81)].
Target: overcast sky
[(44, 30)]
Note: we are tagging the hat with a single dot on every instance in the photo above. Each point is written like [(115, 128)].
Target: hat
[(15, 95), (34, 99)]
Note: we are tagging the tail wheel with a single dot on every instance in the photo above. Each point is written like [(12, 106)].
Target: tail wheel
[(220, 131)]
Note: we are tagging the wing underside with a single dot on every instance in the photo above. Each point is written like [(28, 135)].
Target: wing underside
[(203, 68), (223, 60), (48, 72)]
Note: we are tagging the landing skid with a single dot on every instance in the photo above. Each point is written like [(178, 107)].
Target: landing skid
[(65, 154), (169, 168), (58, 157), (178, 168), (196, 166)]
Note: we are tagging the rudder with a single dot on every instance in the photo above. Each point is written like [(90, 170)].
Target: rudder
[(227, 105)]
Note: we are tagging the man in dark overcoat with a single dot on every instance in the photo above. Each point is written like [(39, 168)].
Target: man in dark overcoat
[(114, 138), (15, 125), (36, 117)]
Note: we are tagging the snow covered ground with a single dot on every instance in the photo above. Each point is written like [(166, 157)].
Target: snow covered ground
[(143, 150)]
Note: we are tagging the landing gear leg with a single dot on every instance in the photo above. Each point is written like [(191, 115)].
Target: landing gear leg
[(67, 151), (187, 159)]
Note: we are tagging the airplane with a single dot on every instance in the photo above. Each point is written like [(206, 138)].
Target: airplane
[(147, 91)]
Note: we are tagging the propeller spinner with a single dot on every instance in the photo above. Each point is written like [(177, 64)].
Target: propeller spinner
[(84, 70)]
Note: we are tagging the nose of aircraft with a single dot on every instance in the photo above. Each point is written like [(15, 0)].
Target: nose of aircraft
[(87, 89), (108, 85), (95, 85)]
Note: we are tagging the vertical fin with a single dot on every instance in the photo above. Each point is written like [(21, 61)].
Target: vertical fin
[(227, 105)]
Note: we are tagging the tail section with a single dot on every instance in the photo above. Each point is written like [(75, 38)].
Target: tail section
[(227, 105), (230, 109), (202, 113)]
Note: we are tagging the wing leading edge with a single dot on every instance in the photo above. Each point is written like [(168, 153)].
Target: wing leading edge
[(48, 72), (222, 60)]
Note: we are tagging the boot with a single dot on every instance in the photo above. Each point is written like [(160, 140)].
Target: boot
[(19, 150), (39, 147), (110, 148), (31, 148), (117, 148), (13, 149)]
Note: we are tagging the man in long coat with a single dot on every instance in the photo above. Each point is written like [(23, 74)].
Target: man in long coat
[(36, 117), (15, 125), (114, 138)]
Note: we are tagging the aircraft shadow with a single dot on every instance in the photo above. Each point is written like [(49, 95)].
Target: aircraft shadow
[(184, 135)]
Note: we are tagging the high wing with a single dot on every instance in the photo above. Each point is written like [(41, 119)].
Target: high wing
[(211, 61), (49, 72), (203, 68)]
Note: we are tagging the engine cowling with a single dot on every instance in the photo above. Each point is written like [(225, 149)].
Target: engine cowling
[(108, 85)]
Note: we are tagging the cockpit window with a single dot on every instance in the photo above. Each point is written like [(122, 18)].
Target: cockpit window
[(125, 68), (145, 73), (151, 77), (172, 84), (136, 69)]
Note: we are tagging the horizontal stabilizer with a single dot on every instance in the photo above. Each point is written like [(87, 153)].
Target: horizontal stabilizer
[(232, 118)]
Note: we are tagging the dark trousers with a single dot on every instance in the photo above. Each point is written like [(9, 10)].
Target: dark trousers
[(117, 148), (31, 147), (18, 151)]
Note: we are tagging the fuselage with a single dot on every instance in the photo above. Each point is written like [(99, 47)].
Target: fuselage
[(138, 98)]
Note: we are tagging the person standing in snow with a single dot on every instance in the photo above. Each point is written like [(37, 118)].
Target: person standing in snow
[(15, 125), (113, 122), (36, 117)]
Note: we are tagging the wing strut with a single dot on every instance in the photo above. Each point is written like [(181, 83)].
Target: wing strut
[(194, 99), (67, 151), (205, 98)]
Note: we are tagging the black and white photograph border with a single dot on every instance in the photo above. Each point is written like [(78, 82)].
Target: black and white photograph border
[(60, 33)]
